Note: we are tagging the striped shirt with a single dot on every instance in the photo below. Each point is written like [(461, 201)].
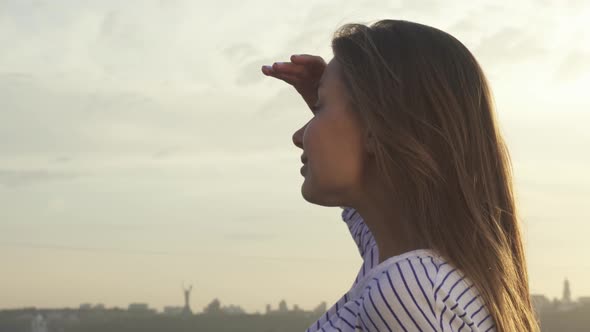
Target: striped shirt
[(414, 291)]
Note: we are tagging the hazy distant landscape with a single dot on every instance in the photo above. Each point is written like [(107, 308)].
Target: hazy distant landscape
[(557, 315), (123, 320)]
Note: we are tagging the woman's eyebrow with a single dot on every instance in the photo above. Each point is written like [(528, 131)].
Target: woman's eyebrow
[(321, 90), (321, 82)]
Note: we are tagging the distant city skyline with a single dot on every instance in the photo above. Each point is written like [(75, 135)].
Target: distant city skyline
[(282, 306)]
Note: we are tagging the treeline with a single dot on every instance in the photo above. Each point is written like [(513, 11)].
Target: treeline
[(575, 320), (289, 322)]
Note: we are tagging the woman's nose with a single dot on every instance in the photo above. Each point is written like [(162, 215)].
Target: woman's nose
[(298, 137)]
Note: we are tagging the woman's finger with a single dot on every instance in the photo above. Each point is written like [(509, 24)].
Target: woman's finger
[(284, 68), (289, 68), (306, 59), (291, 79), (266, 70)]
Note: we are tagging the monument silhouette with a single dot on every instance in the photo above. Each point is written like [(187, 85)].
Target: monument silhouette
[(187, 293)]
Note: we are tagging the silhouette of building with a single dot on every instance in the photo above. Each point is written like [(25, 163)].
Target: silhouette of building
[(173, 311), (39, 324), (213, 308), (85, 306), (283, 307), (320, 309), (233, 310), (567, 296), (542, 303), (139, 308), (566, 302)]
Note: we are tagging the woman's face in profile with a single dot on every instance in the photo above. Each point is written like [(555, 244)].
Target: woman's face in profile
[(332, 142)]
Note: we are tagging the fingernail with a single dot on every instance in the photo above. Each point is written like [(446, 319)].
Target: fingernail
[(267, 67)]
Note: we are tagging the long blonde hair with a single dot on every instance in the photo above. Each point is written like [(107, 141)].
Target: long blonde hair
[(424, 97)]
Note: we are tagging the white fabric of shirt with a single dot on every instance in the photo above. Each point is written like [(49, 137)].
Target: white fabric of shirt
[(414, 291)]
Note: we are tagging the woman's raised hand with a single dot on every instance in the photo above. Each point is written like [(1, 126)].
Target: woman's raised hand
[(303, 73)]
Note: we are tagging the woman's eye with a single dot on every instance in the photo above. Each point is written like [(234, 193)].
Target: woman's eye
[(315, 108)]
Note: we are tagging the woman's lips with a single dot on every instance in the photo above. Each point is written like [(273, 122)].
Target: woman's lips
[(303, 169)]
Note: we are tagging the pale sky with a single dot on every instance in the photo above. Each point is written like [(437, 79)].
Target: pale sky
[(141, 146)]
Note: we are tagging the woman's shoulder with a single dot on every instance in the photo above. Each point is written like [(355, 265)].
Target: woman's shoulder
[(420, 288), (411, 264), (416, 268), (399, 293)]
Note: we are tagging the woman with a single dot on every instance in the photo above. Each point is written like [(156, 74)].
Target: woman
[(404, 135)]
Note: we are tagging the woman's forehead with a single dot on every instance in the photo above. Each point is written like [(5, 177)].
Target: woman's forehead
[(330, 74)]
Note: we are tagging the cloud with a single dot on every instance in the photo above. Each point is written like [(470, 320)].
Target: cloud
[(42, 120), (250, 73), (430, 6), (18, 177), (510, 45), (250, 236), (63, 159), (239, 51), (165, 152), (282, 102), (572, 5), (575, 65)]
